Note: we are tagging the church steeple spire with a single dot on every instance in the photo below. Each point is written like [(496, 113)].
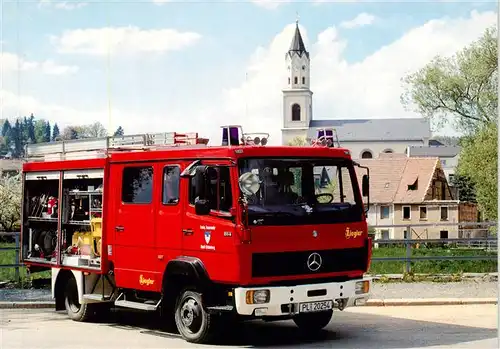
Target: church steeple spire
[(297, 46)]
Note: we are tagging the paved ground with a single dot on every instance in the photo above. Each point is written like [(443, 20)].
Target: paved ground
[(472, 326), (474, 288), (467, 289)]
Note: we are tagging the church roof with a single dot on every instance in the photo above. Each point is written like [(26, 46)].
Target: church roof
[(440, 151), (356, 130), (297, 45)]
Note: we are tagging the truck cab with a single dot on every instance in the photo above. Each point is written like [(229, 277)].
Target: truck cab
[(203, 234)]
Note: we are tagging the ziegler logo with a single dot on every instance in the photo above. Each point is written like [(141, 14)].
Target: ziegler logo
[(352, 233), (144, 281)]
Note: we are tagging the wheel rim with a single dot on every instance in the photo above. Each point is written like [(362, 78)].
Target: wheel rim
[(190, 314)]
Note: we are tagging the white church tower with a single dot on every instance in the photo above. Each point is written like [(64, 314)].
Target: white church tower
[(297, 96)]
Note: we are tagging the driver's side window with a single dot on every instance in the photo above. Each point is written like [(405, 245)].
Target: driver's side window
[(329, 180), (218, 189)]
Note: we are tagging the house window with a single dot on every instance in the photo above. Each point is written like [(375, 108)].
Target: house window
[(388, 151), (443, 162), (444, 213), (406, 212), (137, 185), (443, 234), (384, 212), (385, 234), (423, 212), (451, 176), (405, 234), (366, 154), (295, 112), (295, 80), (303, 80), (288, 81), (171, 178)]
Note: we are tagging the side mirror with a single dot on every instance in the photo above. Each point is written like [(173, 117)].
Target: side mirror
[(200, 182), (366, 186), (202, 207)]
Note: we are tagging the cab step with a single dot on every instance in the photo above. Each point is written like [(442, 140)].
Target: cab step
[(94, 298), (146, 306)]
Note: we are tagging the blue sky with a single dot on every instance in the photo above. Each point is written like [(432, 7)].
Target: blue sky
[(158, 82)]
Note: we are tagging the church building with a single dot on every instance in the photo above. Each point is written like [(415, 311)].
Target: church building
[(365, 138)]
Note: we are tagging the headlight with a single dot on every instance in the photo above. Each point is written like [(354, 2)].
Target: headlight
[(362, 287), (257, 296)]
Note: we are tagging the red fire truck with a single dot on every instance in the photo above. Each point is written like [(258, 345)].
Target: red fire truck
[(203, 234)]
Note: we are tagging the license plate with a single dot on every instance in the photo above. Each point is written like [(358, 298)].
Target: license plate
[(315, 306)]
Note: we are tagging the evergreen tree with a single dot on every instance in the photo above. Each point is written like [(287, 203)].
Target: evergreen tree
[(30, 129), (46, 135), (17, 139), (6, 128), (55, 132)]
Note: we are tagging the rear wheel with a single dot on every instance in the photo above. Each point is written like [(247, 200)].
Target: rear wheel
[(192, 321), (313, 322), (76, 311)]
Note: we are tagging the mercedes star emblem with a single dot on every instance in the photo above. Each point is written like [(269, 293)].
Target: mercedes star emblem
[(314, 261)]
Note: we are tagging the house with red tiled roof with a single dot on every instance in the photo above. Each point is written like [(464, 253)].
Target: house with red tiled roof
[(410, 190)]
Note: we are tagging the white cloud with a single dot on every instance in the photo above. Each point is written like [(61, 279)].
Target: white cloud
[(12, 62), (98, 41), (360, 20), (62, 5), (160, 2), (270, 4)]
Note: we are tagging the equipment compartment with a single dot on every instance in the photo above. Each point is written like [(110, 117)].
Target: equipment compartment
[(82, 218), (40, 223)]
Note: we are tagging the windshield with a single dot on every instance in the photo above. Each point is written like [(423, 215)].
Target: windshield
[(302, 191)]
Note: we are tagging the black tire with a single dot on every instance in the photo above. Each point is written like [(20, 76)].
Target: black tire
[(76, 311), (313, 322), (194, 324)]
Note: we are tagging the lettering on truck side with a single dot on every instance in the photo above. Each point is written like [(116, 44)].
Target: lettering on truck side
[(145, 281)]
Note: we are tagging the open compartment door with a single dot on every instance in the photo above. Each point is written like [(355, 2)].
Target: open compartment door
[(40, 217), (81, 221)]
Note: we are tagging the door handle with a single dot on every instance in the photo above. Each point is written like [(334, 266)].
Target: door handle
[(187, 231), (119, 228)]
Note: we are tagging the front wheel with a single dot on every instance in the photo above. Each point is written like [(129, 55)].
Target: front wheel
[(313, 322), (76, 311), (192, 321)]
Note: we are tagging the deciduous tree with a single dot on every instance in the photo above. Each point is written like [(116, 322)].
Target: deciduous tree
[(10, 197), (462, 87), (478, 161)]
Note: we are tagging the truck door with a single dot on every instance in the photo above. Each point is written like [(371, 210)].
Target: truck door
[(211, 237), (134, 225), (168, 219)]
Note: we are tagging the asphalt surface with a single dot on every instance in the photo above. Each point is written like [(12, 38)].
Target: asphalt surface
[(474, 288), (466, 326)]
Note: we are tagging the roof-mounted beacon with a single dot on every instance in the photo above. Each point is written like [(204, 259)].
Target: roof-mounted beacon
[(326, 137), (234, 135)]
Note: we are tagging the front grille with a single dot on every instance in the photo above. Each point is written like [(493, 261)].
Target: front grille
[(295, 263)]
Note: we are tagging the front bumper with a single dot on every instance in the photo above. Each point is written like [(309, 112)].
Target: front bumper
[(286, 300)]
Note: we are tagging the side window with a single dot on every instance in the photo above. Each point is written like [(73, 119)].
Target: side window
[(137, 185), (171, 180), (330, 180), (218, 189)]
